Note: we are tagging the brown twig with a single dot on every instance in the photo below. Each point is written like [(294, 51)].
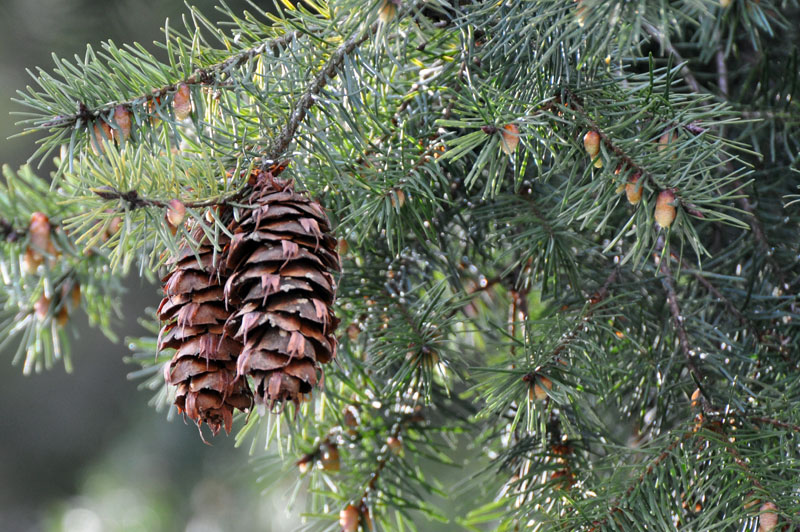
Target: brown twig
[(668, 281)]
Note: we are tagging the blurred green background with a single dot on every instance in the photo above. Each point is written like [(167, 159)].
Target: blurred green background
[(83, 452)]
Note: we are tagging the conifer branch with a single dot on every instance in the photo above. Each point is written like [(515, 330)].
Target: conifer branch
[(201, 76), (594, 303)]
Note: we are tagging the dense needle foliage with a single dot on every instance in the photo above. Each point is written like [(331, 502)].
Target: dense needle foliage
[(568, 232)]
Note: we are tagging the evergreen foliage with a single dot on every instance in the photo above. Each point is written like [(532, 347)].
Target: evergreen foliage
[(509, 305)]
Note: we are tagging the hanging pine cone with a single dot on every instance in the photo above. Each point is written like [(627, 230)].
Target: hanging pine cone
[(204, 365), (280, 257)]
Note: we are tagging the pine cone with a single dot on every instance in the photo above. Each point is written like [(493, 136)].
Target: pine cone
[(280, 257), (204, 365)]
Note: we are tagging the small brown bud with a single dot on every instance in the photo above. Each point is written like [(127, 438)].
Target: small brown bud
[(387, 11), (397, 197), (395, 445), (176, 212), (343, 246), (591, 142), (768, 517), (665, 210), (39, 229), (349, 518), (538, 390), (42, 307), (329, 461), (98, 134), (666, 139), (304, 464), (696, 398), (114, 226), (510, 138), (353, 330), (182, 102), (633, 189), (63, 316), (122, 117), (350, 415)]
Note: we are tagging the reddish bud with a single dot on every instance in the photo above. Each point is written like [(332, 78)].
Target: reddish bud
[(39, 230), (42, 307), (176, 212), (349, 518), (591, 142), (98, 135), (114, 226), (122, 118), (182, 102), (63, 316), (510, 138)]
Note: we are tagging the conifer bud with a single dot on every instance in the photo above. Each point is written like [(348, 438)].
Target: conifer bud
[(696, 398), (591, 142), (39, 229), (397, 197), (114, 226), (724, 3), (395, 445), (350, 416), (633, 189), (349, 518), (510, 136), (42, 307), (537, 391), (580, 13), (63, 316), (353, 331), (122, 117), (304, 464), (343, 246), (768, 518), (329, 461), (98, 134), (665, 210), (666, 139), (31, 261), (182, 102), (176, 212), (387, 11)]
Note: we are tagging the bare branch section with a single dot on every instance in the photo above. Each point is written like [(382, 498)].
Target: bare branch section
[(668, 281), (201, 76)]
